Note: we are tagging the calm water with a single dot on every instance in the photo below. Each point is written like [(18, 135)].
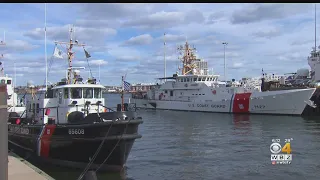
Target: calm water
[(190, 145)]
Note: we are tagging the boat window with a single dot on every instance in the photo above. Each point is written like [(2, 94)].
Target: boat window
[(37, 108), (97, 93), (30, 107), (187, 79), (171, 93), (87, 93), (194, 79), (66, 93), (199, 79), (55, 93), (8, 81), (76, 93), (3, 81), (203, 79), (166, 91)]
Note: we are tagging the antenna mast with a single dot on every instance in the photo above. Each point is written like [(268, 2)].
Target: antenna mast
[(315, 27), (1, 56), (45, 43), (70, 54), (187, 59), (164, 55)]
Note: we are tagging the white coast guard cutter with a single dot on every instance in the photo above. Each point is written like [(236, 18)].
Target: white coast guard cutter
[(195, 90)]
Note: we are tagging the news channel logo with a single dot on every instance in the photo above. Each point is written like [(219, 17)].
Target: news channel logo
[(279, 154)]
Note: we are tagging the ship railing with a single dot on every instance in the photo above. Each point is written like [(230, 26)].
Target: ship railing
[(39, 113)]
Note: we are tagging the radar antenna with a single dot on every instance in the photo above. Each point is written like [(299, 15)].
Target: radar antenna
[(188, 58)]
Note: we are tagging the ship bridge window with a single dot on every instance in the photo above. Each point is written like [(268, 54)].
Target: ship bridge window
[(3, 81), (76, 93), (97, 93), (187, 79), (66, 93), (199, 79), (88, 93), (203, 79), (8, 81), (55, 93)]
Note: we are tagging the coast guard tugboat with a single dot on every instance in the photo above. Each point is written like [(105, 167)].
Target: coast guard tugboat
[(71, 126)]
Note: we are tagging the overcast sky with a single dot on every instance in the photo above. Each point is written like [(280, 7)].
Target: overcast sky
[(128, 38)]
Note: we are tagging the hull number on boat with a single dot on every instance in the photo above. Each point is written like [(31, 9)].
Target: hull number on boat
[(76, 131), (19, 130), (207, 105), (259, 106)]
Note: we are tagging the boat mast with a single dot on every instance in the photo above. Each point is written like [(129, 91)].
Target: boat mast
[(99, 72), (122, 95), (224, 60), (164, 55), (315, 27), (3, 44), (70, 54), (187, 59), (45, 43)]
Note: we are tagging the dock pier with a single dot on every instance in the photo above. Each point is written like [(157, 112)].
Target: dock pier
[(12, 167)]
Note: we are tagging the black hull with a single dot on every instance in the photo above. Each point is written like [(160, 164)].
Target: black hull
[(310, 111), (73, 145)]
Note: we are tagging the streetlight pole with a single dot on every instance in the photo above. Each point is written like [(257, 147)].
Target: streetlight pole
[(224, 54)]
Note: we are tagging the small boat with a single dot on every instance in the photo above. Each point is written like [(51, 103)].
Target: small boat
[(70, 125)]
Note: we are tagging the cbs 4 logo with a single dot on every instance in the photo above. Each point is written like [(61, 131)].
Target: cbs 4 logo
[(276, 148)]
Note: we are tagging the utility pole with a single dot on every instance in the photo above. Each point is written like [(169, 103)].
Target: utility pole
[(3, 126), (224, 54), (3, 133)]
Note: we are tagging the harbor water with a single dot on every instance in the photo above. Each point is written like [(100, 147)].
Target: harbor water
[(178, 145)]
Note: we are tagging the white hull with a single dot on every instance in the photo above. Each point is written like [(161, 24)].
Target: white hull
[(289, 102)]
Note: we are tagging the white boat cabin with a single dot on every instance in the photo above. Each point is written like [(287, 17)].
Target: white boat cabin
[(14, 103), (64, 99), (12, 97)]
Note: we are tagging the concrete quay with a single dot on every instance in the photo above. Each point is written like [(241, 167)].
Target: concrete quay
[(19, 168)]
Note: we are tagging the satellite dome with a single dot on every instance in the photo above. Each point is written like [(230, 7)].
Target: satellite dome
[(303, 72), (30, 83)]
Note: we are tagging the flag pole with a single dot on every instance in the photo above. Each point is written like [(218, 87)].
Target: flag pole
[(122, 92)]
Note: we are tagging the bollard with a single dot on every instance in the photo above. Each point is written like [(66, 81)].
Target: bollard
[(3, 133), (90, 175)]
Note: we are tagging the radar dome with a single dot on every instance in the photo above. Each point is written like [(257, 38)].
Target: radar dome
[(303, 72), (30, 83)]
